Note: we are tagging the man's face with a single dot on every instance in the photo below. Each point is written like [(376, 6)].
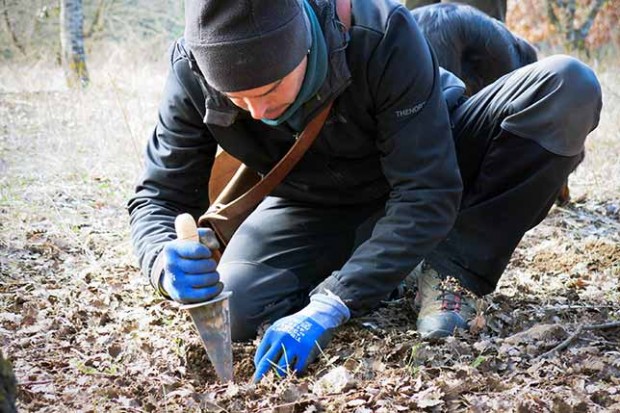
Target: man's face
[(270, 101)]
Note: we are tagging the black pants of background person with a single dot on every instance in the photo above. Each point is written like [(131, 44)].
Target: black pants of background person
[(517, 141)]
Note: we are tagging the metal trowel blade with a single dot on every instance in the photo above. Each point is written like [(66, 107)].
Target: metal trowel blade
[(212, 320)]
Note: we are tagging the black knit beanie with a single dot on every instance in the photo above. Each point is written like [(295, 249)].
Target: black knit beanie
[(245, 44)]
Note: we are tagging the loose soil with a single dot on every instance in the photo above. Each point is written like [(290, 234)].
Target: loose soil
[(85, 332)]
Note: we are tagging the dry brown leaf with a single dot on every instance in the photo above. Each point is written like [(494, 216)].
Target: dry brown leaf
[(478, 324), (578, 283), (431, 397)]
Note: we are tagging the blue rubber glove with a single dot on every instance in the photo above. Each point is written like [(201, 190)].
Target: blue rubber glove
[(293, 342), (189, 271)]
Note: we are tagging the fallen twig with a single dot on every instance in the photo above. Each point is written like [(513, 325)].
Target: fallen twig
[(563, 344), (34, 383), (279, 406), (604, 326), (566, 307), (599, 341), (576, 334), (133, 409)]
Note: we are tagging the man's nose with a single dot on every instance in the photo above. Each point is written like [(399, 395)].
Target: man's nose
[(257, 107)]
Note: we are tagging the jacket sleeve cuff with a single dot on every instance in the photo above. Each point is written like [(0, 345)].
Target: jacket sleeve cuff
[(157, 271), (333, 286)]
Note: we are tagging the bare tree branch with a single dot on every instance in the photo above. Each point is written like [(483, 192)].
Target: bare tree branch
[(587, 25), (9, 25), (97, 22), (604, 326)]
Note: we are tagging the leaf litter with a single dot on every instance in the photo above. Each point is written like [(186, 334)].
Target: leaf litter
[(85, 332)]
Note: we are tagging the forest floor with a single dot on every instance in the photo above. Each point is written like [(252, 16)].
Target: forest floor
[(85, 332)]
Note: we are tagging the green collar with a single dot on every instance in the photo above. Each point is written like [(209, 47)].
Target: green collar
[(316, 72)]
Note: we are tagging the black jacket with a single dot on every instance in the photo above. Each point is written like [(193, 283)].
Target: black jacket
[(388, 136)]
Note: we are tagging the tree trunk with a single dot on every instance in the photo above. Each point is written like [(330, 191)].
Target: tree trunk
[(72, 43)]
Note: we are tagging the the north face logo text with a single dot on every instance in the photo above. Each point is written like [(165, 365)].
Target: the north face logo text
[(410, 111)]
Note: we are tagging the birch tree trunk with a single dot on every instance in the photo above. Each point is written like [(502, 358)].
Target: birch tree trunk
[(72, 43)]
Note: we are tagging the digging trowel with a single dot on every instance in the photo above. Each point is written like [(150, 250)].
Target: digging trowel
[(211, 318)]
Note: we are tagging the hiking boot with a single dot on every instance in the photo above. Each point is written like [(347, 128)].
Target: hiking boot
[(411, 280), (445, 305), (407, 288)]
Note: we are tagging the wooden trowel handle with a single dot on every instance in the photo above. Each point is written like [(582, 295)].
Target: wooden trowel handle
[(186, 228)]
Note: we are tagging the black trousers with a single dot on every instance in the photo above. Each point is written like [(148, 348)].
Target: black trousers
[(517, 141)]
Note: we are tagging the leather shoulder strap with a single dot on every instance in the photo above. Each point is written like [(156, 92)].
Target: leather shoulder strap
[(256, 194)]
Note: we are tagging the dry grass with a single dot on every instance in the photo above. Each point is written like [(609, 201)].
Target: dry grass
[(64, 140), (77, 317), (599, 176)]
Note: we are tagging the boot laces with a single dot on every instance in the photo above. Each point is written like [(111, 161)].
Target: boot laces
[(452, 294)]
